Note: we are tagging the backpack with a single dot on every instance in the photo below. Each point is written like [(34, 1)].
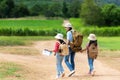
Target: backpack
[(92, 51), (63, 49), (77, 41)]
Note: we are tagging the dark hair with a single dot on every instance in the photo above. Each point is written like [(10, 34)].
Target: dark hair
[(90, 42), (70, 28), (61, 41)]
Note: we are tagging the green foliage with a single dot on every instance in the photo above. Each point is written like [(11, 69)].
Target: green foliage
[(21, 40), (78, 25), (38, 9), (74, 8), (9, 9), (54, 10), (65, 10), (6, 7), (31, 27), (105, 31), (90, 13), (111, 14)]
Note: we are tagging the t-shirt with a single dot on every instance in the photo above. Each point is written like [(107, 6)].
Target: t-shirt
[(69, 36), (56, 48)]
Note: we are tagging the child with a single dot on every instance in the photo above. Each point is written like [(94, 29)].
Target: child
[(59, 57), (93, 40), (69, 59)]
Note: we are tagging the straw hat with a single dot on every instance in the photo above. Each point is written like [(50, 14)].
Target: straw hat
[(59, 36), (92, 37), (67, 25)]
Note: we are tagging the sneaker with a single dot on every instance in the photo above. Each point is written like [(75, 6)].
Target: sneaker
[(71, 73), (63, 74), (93, 73), (57, 77)]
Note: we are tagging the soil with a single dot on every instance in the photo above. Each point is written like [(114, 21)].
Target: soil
[(41, 67)]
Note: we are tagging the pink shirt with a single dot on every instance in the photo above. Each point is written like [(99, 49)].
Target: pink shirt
[(56, 48)]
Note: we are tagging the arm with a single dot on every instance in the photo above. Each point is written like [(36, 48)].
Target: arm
[(56, 48)]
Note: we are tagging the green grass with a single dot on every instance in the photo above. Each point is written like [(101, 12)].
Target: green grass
[(31, 3), (105, 43), (31, 24), (79, 25), (21, 40), (31, 27), (9, 69)]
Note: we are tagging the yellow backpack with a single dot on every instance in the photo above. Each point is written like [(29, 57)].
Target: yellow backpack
[(77, 41), (63, 49)]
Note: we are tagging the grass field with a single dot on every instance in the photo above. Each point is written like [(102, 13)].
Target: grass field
[(105, 43), (21, 40), (31, 24), (51, 27), (31, 27)]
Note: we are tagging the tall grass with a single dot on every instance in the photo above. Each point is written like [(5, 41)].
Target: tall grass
[(31, 27), (86, 30)]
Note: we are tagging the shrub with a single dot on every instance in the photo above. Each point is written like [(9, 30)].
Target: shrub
[(106, 31)]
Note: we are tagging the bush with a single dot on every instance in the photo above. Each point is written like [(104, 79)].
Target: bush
[(29, 32), (106, 31)]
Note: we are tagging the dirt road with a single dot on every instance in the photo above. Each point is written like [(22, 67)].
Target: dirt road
[(42, 67)]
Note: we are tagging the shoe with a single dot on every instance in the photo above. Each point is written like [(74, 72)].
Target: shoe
[(57, 77), (63, 74), (71, 73), (93, 73)]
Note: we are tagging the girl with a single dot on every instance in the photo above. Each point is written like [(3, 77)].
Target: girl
[(69, 59), (93, 40), (59, 57)]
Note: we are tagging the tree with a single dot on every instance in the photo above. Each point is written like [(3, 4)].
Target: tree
[(6, 7), (74, 9), (65, 10), (20, 11), (91, 13), (35, 10), (54, 10), (111, 14)]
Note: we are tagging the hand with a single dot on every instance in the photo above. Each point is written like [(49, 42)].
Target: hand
[(48, 50), (54, 54)]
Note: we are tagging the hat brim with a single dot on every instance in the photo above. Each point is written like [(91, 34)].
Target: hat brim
[(91, 38), (58, 37)]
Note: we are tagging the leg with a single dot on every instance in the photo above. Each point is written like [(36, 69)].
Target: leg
[(90, 61), (62, 74), (58, 65), (67, 62), (72, 57), (61, 67)]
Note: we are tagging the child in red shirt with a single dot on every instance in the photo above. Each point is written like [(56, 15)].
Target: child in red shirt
[(59, 57)]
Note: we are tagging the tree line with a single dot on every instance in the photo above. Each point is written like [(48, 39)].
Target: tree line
[(88, 10)]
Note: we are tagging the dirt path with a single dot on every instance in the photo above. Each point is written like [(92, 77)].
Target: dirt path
[(44, 67)]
